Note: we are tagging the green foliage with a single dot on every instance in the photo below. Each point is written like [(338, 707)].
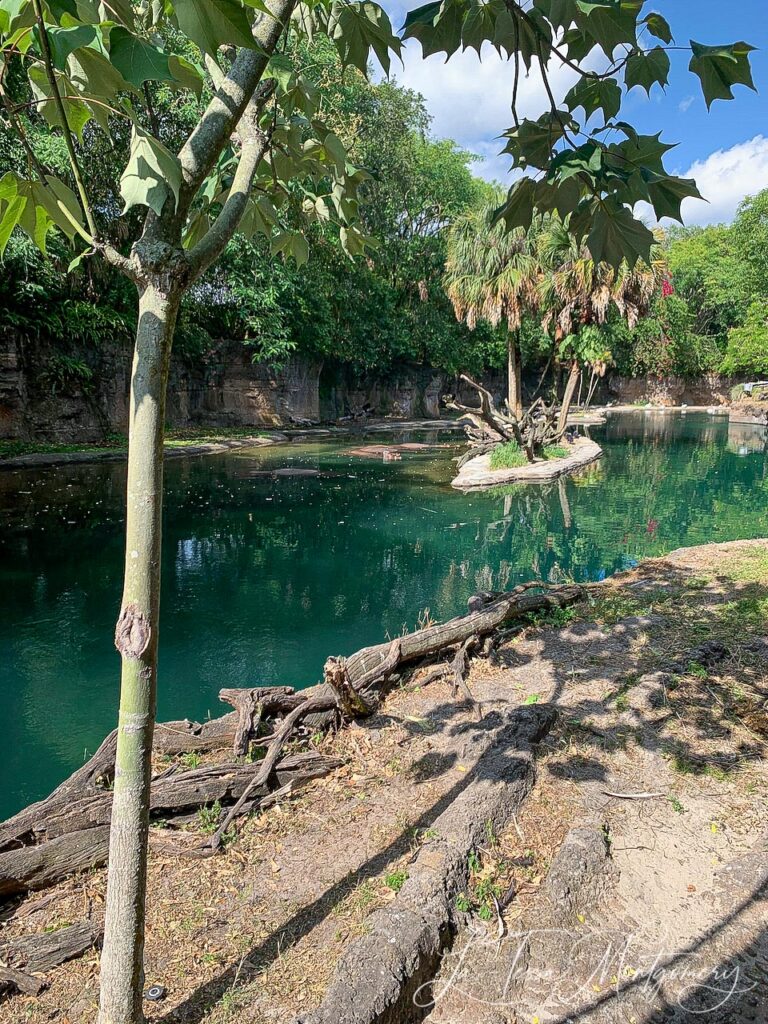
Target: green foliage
[(510, 456), (396, 880), (581, 170), (747, 350)]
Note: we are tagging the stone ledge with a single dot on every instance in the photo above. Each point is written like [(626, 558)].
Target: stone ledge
[(477, 473)]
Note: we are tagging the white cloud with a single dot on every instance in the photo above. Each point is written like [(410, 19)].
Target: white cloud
[(470, 99), (683, 105), (725, 178)]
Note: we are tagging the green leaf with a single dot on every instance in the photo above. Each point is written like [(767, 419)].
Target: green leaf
[(75, 263), (616, 236), (9, 218), (666, 193), (64, 41), (610, 22), (211, 23), (14, 15), (357, 28), (658, 27), (93, 73), (721, 67), (77, 112), (642, 151), (260, 215), (594, 94), (437, 26), (291, 243), (531, 144), (646, 69), (186, 74), (517, 210), (137, 60), (151, 174)]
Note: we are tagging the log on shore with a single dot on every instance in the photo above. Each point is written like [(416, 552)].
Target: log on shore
[(29, 956), (69, 831), (76, 836)]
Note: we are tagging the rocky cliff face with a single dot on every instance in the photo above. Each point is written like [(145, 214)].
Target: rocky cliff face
[(711, 389), (40, 399)]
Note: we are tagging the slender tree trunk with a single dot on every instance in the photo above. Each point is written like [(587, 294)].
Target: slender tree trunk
[(122, 968), (570, 387), (514, 382)]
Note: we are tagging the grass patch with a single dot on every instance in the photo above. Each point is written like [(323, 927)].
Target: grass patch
[(511, 455)]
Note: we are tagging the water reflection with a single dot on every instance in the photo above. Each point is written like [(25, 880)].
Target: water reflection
[(265, 575)]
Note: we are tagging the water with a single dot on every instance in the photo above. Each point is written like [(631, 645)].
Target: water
[(264, 576)]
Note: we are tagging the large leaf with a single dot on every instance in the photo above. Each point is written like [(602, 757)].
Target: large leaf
[(658, 26), (720, 68), (357, 28), (616, 236), (437, 26), (64, 41), (76, 111), (517, 209), (137, 60), (93, 73), (212, 23), (10, 215), (532, 143), (647, 69), (610, 22), (152, 173), (592, 94), (291, 243), (666, 193)]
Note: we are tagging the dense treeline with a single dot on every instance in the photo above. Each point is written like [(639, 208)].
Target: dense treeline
[(373, 313)]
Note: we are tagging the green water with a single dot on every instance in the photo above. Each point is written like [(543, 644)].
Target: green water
[(264, 576)]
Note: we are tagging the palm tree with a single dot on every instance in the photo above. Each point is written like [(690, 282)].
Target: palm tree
[(492, 274), (576, 293)]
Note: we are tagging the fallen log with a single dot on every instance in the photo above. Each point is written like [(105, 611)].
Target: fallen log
[(96, 775), (69, 830), (27, 957), (76, 837)]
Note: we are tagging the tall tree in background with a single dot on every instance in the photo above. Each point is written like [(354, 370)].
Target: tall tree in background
[(76, 63), (493, 274), (575, 294)]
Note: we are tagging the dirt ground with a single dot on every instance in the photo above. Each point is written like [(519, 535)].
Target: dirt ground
[(661, 680)]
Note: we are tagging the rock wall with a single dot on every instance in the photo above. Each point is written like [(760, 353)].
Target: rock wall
[(226, 389), (711, 389)]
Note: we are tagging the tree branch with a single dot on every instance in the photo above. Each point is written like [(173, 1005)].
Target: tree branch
[(51, 74), (254, 146), (201, 150)]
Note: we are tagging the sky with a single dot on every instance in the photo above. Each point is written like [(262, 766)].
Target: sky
[(725, 149)]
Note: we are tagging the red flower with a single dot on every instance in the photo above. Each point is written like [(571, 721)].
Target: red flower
[(667, 288)]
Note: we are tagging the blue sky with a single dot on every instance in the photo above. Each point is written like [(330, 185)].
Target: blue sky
[(726, 150)]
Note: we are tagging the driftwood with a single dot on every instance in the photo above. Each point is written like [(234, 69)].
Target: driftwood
[(69, 831), (539, 426), (76, 836), (26, 958)]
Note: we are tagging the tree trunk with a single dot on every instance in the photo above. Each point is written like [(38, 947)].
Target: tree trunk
[(122, 968), (570, 387), (514, 383)]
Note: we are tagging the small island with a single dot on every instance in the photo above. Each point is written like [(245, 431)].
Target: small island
[(507, 464)]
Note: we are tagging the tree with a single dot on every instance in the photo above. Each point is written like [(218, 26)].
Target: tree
[(492, 274), (573, 166), (747, 350), (576, 293), (87, 68)]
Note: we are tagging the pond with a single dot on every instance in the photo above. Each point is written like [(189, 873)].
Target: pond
[(266, 575)]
